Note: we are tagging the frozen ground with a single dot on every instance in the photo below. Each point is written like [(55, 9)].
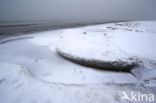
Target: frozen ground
[(31, 71)]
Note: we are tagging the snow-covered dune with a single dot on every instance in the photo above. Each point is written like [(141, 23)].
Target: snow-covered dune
[(94, 49)]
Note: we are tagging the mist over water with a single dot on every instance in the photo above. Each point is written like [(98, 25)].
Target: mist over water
[(77, 10)]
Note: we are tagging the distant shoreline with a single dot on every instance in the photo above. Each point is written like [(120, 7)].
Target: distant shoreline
[(17, 28)]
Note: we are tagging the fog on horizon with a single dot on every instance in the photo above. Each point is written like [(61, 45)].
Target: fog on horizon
[(77, 10)]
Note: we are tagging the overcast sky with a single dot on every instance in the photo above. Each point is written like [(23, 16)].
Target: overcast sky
[(100, 10)]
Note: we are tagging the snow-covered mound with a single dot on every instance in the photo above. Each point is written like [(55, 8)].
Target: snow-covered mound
[(113, 46), (94, 49)]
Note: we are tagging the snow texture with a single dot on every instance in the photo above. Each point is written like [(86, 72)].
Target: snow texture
[(31, 71)]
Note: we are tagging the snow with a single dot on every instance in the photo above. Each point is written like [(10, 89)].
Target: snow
[(94, 47), (32, 71)]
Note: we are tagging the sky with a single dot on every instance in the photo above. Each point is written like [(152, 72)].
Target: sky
[(80, 10)]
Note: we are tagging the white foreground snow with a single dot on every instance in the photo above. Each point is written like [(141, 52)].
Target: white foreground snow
[(31, 71)]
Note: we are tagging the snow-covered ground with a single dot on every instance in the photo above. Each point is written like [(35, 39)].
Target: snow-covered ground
[(31, 71)]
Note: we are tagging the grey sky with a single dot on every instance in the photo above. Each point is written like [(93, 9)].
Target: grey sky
[(100, 10)]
